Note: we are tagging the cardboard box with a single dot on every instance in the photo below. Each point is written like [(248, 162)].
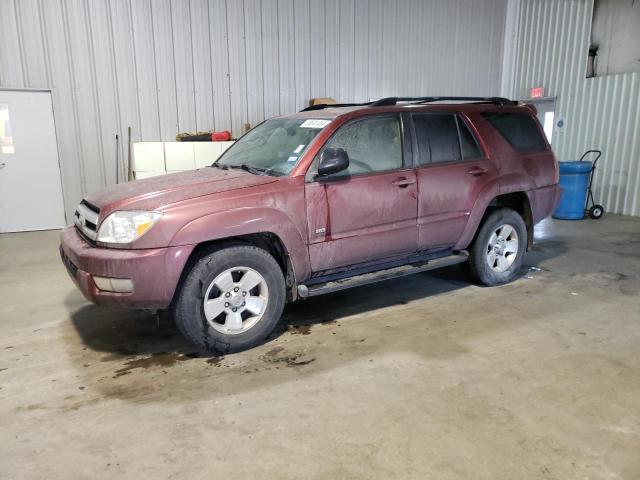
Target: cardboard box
[(321, 100)]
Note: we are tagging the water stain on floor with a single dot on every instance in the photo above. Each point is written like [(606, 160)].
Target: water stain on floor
[(299, 329), (278, 355), (215, 361), (275, 357), (159, 359), (305, 328)]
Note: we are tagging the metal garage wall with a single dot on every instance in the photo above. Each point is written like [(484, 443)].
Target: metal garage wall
[(551, 42), (166, 66)]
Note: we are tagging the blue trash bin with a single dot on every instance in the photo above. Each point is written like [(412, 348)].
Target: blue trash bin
[(574, 180)]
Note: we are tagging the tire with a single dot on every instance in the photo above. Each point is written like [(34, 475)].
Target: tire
[(503, 265), (596, 212), (245, 289)]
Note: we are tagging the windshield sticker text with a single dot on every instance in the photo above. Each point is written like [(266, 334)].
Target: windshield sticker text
[(315, 123)]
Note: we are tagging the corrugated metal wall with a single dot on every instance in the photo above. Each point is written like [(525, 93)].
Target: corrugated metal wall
[(551, 49), (166, 66)]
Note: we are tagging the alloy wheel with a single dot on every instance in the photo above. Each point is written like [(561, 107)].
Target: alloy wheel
[(502, 248), (236, 300)]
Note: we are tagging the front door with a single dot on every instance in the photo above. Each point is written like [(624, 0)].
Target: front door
[(30, 187), (367, 213)]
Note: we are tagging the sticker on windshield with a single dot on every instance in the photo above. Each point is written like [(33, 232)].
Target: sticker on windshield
[(298, 149), (292, 159), (315, 123)]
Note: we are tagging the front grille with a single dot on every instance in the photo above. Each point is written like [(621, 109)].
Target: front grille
[(86, 219), (73, 269)]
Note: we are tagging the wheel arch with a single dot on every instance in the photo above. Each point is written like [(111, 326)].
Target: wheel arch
[(268, 241), (517, 201), (264, 227)]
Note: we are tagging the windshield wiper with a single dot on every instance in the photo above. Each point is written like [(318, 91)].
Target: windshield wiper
[(250, 169)]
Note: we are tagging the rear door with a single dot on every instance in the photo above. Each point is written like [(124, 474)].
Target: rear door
[(452, 170), (368, 213)]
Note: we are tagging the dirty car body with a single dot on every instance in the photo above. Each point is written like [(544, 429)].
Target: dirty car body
[(421, 181)]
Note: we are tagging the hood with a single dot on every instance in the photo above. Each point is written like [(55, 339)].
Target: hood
[(153, 193)]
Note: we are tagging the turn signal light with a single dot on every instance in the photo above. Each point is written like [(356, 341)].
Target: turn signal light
[(116, 285)]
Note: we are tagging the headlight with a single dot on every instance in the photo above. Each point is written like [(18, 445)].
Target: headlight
[(126, 226)]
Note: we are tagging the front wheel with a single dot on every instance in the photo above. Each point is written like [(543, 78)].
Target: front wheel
[(231, 299), (496, 254)]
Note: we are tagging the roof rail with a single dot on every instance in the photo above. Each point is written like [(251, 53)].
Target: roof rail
[(420, 100), (322, 106), (390, 101)]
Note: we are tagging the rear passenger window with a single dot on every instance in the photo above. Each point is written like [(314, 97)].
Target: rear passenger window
[(437, 138), (470, 149), (519, 129)]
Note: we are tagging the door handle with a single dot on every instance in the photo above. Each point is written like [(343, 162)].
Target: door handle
[(403, 182), (477, 171), (2, 165)]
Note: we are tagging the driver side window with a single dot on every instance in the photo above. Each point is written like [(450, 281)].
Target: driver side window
[(373, 144)]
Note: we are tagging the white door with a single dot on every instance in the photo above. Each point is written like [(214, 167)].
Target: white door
[(546, 107), (30, 187)]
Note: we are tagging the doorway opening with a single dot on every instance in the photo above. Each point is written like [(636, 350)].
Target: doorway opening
[(546, 107), (30, 184)]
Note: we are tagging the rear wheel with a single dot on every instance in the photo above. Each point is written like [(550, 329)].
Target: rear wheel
[(231, 299), (496, 254)]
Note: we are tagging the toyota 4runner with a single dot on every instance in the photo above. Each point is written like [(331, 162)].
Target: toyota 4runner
[(331, 197)]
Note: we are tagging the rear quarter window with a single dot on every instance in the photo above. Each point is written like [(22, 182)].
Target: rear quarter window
[(519, 129)]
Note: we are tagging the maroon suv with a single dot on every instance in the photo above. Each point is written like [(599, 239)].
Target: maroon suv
[(328, 198)]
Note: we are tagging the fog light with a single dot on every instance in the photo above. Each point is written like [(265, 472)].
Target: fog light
[(117, 285)]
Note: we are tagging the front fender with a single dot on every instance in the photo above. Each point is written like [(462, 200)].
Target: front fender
[(245, 221)]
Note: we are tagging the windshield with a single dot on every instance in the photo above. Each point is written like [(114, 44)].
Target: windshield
[(273, 147)]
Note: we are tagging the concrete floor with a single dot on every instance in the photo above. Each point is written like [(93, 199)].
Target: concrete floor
[(420, 377)]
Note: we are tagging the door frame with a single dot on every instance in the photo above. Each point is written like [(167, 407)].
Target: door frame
[(538, 101), (55, 133), (407, 167), (16, 89), (455, 220)]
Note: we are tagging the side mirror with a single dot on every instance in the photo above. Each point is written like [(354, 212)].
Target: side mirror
[(333, 160)]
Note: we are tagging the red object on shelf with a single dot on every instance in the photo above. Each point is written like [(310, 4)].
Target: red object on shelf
[(537, 92), (224, 136)]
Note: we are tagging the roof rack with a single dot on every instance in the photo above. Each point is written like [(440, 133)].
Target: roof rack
[(390, 101), (322, 106), (421, 100)]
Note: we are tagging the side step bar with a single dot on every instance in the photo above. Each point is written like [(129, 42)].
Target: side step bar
[(378, 276)]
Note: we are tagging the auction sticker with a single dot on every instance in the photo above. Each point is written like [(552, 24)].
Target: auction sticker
[(315, 123)]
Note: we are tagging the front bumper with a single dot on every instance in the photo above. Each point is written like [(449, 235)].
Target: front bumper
[(155, 272)]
